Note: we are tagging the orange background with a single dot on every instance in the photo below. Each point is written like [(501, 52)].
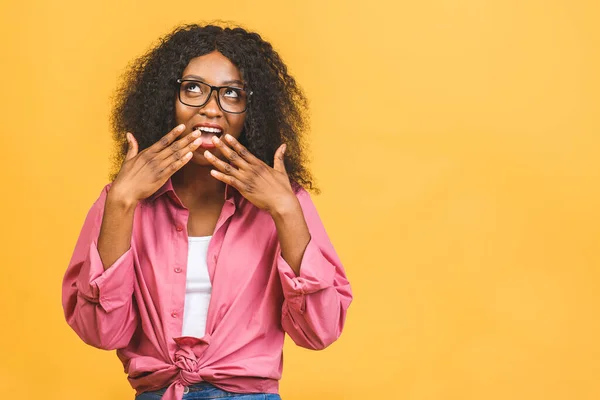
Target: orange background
[(456, 143)]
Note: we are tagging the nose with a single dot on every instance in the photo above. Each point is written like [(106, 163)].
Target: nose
[(211, 109)]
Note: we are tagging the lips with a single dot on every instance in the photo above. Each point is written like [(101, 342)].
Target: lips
[(207, 133), (209, 128)]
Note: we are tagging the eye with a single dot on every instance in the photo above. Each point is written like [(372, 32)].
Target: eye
[(232, 92), (192, 87)]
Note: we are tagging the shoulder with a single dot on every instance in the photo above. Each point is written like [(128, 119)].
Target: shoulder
[(101, 199), (305, 199), (300, 191)]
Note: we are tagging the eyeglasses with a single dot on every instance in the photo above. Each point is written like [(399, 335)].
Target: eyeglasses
[(196, 93)]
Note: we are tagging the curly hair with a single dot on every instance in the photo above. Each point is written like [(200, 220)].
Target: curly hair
[(144, 102)]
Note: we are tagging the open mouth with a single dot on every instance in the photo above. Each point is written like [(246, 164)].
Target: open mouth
[(207, 129), (207, 134)]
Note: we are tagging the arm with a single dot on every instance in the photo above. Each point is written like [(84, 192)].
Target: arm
[(98, 298), (98, 285), (316, 291)]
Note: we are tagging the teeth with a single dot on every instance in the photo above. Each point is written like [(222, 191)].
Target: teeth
[(207, 129)]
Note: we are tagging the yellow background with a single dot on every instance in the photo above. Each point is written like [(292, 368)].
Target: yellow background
[(456, 143)]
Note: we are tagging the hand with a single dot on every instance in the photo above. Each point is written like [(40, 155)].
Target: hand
[(267, 188), (144, 173)]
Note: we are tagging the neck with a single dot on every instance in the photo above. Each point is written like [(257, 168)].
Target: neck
[(196, 187)]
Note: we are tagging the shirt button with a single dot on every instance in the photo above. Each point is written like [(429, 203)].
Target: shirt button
[(179, 229), (178, 270), (174, 314)]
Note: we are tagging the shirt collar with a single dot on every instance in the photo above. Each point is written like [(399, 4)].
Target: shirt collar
[(230, 191)]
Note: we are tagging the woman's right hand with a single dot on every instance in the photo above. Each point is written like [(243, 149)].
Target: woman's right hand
[(145, 172)]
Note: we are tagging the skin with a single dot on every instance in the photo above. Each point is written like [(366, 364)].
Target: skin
[(214, 69), (201, 194), (199, 175)]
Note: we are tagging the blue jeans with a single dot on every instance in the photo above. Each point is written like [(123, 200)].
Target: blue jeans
[(204, 391)]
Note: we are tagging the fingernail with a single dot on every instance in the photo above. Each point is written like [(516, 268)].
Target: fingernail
[(180, 127), (228, 137), (284, 148), (127, 137)]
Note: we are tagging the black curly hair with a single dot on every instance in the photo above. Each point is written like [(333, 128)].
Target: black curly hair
[(144, 103)]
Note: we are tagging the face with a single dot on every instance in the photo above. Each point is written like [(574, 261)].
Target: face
[(216, 70)]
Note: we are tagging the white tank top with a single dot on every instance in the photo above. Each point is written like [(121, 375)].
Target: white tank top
[(198, 288)]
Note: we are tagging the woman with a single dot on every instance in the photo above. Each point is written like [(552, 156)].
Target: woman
[(206, 247)]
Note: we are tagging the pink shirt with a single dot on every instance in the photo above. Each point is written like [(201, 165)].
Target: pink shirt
[(136, 306)]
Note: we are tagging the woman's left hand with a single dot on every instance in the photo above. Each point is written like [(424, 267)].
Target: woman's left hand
[(267, 188)]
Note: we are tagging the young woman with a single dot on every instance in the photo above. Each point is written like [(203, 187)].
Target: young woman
[(205, 249)]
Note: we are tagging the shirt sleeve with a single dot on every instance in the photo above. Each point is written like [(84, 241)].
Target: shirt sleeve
[(316, 301), (98, 304)]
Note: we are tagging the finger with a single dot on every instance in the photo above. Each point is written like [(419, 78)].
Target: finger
[(132, 146), (222, 166), (228, 179), (179, 148), (167, 139), (241, 150), (278, 162), (179, 153), (228, 152), (175, 166)]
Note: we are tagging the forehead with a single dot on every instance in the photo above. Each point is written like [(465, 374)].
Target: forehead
[(213, 68)]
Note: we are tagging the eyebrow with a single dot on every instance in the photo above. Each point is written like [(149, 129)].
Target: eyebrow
[(223, 83)]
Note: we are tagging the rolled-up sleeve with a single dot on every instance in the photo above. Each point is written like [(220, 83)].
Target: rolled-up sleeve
[(316, 301), (98, 304)]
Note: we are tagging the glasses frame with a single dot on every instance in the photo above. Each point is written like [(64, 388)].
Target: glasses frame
[(213, 89)]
